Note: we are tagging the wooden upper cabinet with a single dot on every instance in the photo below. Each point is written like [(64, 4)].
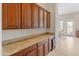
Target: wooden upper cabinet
[(48, 20), (41, 14), (26, 15), (35, 16), (4, 16), (11, 15), (45, 19)]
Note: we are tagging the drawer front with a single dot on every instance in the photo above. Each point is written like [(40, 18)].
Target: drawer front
[(32, 53), (23, 52)]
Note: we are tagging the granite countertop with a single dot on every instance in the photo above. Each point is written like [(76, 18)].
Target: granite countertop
[(11, 48)]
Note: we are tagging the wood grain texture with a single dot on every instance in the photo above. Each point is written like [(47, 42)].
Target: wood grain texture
[(4, 16), (26, 15), (45, 19), (48, 20), (41, 17), (34, 16), (11, 15)]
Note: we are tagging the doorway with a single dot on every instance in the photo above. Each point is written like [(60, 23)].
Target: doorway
[(70, 28)]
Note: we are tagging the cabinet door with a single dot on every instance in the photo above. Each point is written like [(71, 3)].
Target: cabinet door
[(34, 16), (32, 53), (45, 19), (26, 15), (41, 50), (41, 14), (48, 20), (4, 16), (46, 48), (12, 16)]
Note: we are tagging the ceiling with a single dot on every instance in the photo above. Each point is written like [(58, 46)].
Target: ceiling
[(66, 8)]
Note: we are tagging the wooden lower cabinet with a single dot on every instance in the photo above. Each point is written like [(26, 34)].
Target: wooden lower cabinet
[(43, 48), (39, 49), (30, 51)]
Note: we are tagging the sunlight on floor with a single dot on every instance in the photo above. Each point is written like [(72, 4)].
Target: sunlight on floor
[(67, 46), (70, 42)]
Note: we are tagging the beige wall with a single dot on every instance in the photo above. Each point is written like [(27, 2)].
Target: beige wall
[(11, 34)]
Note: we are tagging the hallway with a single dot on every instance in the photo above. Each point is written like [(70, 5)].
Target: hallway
[(66, 46)]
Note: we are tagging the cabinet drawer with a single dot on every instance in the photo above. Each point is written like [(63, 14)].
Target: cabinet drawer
[(25, 51), (32, 53), (20, 53)]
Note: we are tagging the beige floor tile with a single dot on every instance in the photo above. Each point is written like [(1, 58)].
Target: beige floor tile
[(66, 46)]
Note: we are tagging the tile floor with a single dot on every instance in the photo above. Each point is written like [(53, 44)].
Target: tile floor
[(66, 46)]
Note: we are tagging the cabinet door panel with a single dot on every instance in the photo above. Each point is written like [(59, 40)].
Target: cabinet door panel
[(46, 48), (26, 15), (48, 20), (45, 19), (34, 16), (41, 14), (11, 15), (41, 50), (4, 16), (32, 53)]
